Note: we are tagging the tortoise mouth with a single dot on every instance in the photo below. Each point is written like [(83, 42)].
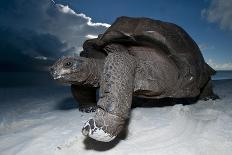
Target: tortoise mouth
[(57, 77), (67, 79), (60, 77)]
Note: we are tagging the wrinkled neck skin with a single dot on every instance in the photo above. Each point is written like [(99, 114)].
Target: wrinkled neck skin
[(95, 69)]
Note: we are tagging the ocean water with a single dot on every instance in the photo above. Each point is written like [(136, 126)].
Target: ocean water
[(24, 79), (222, 75), (19, 79)]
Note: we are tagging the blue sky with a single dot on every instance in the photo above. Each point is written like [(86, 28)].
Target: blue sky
[(35, 33), (214, 39)]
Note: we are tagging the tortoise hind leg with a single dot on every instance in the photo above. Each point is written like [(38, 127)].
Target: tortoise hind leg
[(207, 92), (86, 97)]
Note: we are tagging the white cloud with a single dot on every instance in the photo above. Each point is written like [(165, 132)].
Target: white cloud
[(90, 36), (219, 11), (78, 27), (67, 9), (47, 17), (204, 47), (217, 66), (41, 58), (40, 31)]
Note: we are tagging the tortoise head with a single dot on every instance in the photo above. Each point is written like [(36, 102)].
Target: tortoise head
[(72, 70)]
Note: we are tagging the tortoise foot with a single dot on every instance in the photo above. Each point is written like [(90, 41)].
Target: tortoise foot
[(211, 97), (88, 109), (98, 133)]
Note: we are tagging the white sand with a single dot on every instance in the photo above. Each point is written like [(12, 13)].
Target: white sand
[(42, 120)]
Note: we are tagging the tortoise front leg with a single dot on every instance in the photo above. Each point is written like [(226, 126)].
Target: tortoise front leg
[(86, 97), (116, 90)]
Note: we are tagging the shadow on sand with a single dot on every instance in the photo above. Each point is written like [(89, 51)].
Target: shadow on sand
[(163, 102), (67, 104)]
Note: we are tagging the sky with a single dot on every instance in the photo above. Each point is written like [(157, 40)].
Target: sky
[(35, 33)]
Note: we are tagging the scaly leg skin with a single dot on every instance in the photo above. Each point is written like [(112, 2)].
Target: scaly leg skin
[(116, 90), (86, 97)]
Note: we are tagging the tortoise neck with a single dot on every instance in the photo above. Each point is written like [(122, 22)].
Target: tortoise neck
[(95, 68)]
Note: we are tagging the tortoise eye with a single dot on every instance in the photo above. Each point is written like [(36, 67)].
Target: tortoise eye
[(68, 64)]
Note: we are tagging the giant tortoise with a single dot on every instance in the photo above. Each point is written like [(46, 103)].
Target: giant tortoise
[(134, 57)]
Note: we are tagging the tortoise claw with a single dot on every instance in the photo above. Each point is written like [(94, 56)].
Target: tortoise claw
[(88, 109), (91, 130)]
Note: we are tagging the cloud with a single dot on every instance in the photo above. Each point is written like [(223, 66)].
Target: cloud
[(42, 31), (216, 66), (90, 36), (204, 47), (219, 11), (22, 50)]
